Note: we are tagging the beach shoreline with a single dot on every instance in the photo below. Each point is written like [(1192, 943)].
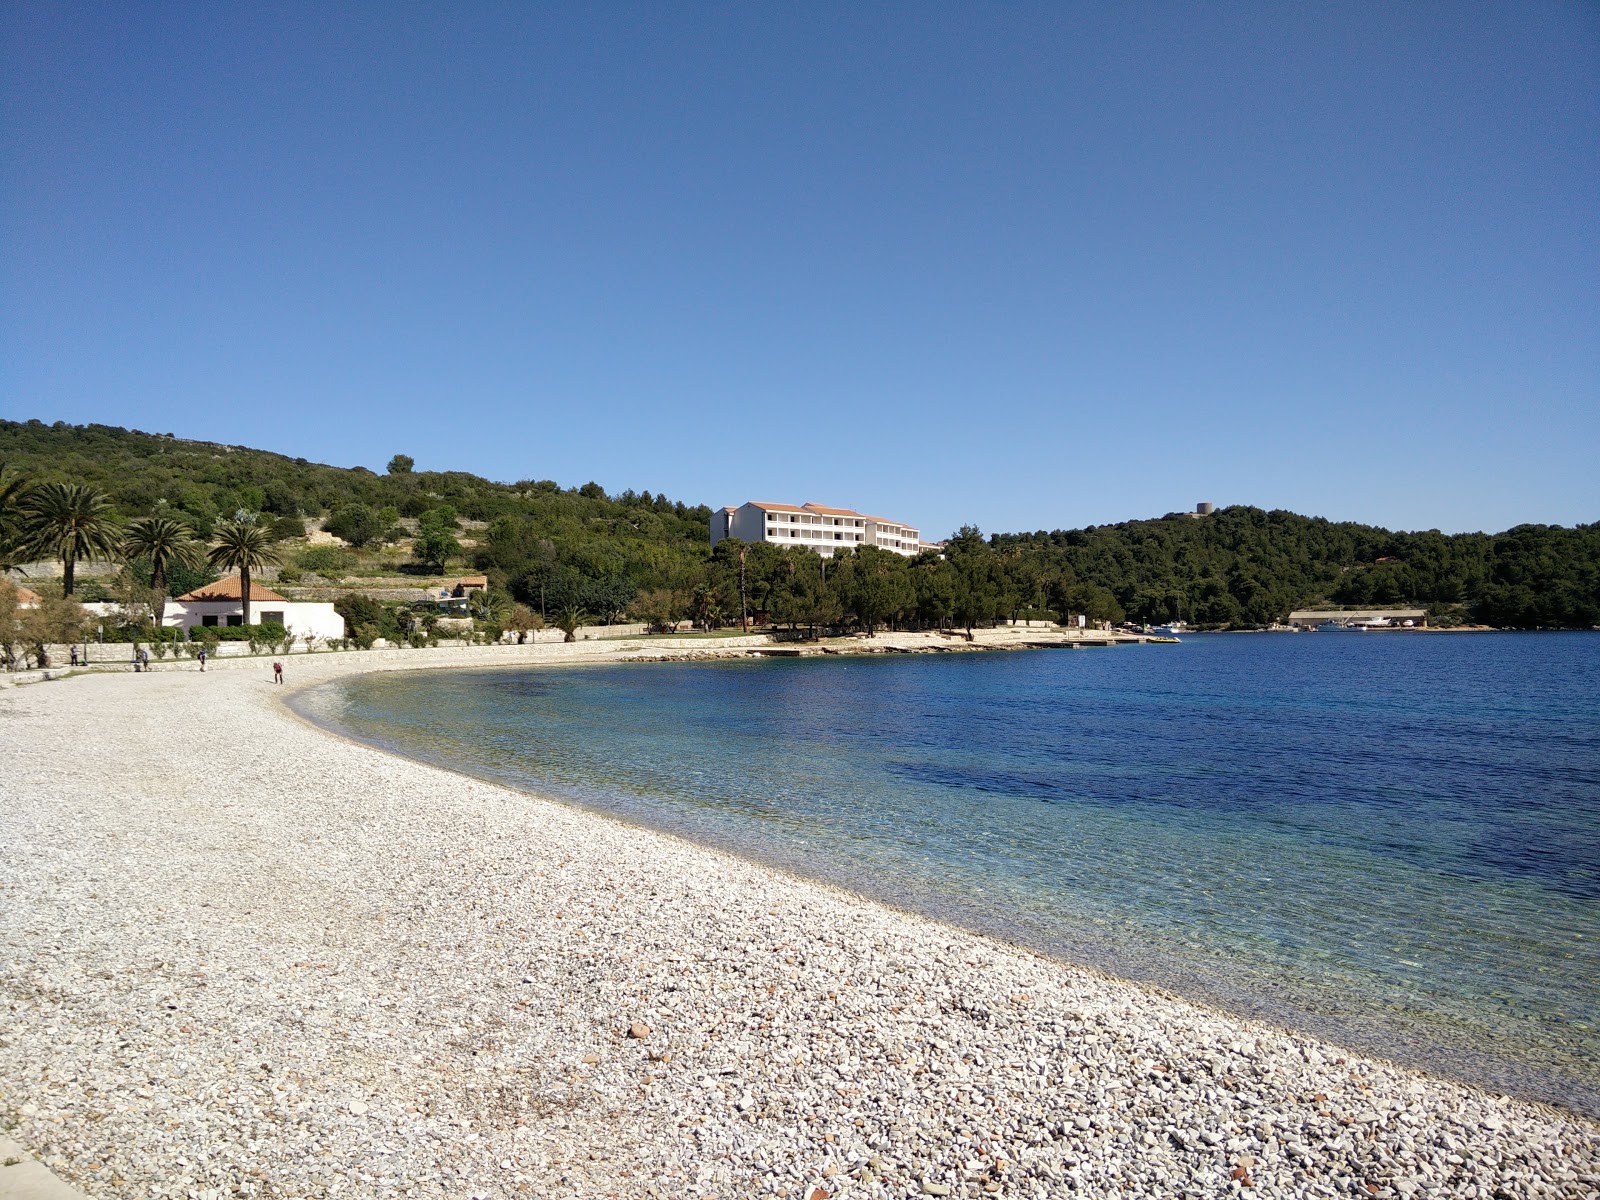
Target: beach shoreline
[(248, 956)]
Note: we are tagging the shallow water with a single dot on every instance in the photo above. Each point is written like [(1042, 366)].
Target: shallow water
[(1389, 839)]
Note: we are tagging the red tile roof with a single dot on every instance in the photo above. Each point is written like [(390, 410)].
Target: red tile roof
[(823, 510), (794, 508), (228, 589), (832, 512), (25, 596)]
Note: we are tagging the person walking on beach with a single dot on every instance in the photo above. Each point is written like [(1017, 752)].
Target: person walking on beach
[(202, 660), (277, 672), (74, 656), (144, 657)]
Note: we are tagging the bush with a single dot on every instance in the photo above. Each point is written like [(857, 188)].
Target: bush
[(91, 590), (326, 560), (139, 633), (360, 525), (260, 634), (285, 528)]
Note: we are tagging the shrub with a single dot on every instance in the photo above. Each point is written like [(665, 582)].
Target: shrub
[(326, 560), (285, 528), (360, 525), (91, 590), (139, 633), (358, 609), (258, 634)]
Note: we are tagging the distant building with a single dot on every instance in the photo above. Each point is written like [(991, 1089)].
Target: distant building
[(222, 603), (455, 595), (1204, 509), (1313, 618), (814, 526)]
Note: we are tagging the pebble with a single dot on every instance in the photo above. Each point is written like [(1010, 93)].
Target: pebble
[(214, 955)]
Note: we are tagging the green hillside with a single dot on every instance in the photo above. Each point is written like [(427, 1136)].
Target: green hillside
[(557, 548)]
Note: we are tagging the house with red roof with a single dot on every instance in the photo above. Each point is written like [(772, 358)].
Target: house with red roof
[(222, 603), (26, 597)]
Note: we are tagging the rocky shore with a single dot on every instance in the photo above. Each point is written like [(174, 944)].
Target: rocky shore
[(241, 957)]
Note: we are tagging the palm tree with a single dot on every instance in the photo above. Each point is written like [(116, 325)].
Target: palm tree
[(13, 488), (569, 620), (167, 542), (240, 544), (68, 521)]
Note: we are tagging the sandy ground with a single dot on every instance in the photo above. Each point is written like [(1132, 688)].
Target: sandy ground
[(242, 957)]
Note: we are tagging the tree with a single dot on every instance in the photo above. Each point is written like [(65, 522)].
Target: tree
[(357, 524), (934, 581), (68, 521), (165, 542), (704, 606), (569, 620), (10, 623), (658, 608), (244, 545), (549, 584), (434, 548), (875, 586), (442, 519), (401, 464), (359, 610), (139, 604), (975, 596), (13, 489), (489, 604), (608, 597), (56, 621), (522, 620)]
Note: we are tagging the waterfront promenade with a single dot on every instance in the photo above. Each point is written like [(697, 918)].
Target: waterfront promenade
[(240, 956)]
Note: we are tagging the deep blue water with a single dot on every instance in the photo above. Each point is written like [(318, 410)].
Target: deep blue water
[(1391, 839)]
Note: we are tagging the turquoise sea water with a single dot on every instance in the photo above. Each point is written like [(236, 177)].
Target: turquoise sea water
[(1389, 839)]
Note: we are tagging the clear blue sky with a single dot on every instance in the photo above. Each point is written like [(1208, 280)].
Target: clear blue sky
[(1028, 266)]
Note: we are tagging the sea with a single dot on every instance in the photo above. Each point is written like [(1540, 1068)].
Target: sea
[(1388, 839)]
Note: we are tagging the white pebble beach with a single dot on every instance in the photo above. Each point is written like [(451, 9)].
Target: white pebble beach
[(245, 957)]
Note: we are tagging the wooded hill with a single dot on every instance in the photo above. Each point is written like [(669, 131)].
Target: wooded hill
[(559, 548)]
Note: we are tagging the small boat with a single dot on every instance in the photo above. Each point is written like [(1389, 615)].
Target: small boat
[(1356, 625)]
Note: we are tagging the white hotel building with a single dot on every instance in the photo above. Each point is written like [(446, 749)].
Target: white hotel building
[(814, 527)]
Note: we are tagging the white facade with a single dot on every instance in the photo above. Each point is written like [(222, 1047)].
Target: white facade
[(814, 526), (219, 604), (299, 617)]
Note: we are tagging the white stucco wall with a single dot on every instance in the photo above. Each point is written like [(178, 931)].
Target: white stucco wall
[(301, 617)]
